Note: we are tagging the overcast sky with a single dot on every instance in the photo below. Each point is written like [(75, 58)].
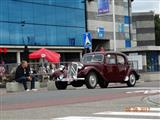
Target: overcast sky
[(146, 5)]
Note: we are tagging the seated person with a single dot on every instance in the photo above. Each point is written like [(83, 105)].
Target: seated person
[(23, 75)]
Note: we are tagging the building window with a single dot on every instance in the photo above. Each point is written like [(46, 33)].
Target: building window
[(51, 35), (4, 33), (4, 10), (15, 34), (72, 41), (39, 14), (15, 11), (40, 35), (152, 62), (27, 12)]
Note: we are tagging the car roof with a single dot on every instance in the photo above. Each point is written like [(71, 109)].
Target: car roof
[(107, 52)]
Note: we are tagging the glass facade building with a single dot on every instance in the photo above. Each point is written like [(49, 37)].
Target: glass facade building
[(42, 22)]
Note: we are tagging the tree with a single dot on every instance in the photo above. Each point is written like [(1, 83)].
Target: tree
[(157, 29)]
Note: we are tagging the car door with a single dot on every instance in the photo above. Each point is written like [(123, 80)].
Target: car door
[(122, 67), (110, 68)]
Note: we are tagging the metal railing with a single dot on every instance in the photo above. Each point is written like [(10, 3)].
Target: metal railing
[(42, 71)]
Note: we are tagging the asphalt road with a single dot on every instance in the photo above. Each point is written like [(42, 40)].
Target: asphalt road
[(77, 104)]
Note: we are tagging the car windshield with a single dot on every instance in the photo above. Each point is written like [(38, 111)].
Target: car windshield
[(92, 58)]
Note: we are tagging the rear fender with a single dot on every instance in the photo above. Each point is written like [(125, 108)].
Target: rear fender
[(134, 72)]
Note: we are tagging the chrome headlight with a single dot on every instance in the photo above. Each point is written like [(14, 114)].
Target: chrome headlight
[(61, 67), (61, 77), (80, 65)]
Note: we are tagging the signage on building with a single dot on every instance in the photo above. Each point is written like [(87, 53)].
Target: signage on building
[(3, 50), (128, 43), (126, 19), (87, 40), (103, 6), (100, 32)]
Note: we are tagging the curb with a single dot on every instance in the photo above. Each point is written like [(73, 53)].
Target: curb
[(141, 81)]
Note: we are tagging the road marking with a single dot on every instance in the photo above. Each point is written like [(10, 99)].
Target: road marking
[(140, 88), (155, 109), (108, 115), (153, 114), (141, 109), (133, 88), (154, 91), (97, 118)]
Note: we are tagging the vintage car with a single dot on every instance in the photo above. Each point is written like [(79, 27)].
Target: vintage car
[(97, 68)]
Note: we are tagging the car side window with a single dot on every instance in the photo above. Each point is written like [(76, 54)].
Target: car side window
[(110, 59), (120, 60)]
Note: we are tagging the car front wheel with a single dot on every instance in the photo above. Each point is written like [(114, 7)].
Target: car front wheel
[(61, 85), (91, 80), (132, 80)]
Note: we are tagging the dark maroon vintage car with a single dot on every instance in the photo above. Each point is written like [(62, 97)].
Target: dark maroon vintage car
[(97, 68)]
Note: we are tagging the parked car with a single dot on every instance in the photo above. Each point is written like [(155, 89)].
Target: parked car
[(97, 68)]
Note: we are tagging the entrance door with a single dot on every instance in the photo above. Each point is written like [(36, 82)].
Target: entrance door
[(152, 62)]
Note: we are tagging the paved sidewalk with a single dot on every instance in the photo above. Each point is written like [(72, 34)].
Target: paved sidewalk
[(4, 92)]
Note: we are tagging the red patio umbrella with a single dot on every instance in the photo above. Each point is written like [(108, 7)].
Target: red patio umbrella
[(49, 55)]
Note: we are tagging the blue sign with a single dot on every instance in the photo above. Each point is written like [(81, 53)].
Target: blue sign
[(87, 40), (100, 32), (128, 43), (103, 6), (126, 19)]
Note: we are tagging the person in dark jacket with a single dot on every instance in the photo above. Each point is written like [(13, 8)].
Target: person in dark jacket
[(23, 75)]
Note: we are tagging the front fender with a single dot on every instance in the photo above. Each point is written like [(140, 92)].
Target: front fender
[(82, 73), (57, 73)]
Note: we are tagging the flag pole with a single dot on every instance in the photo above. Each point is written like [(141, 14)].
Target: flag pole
[(114, 25)]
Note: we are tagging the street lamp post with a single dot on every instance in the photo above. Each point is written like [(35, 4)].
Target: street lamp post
[(86, 17), (129, 22), (26, 51), (114, 25)]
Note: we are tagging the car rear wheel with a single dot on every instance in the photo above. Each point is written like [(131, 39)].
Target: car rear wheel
[(91, 80), (103, 84), (132, 80), (61, 85)]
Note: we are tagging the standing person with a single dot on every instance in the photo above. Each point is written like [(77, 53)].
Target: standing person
[(23, 75), (102, 49), (2, 70), (2, 73)]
